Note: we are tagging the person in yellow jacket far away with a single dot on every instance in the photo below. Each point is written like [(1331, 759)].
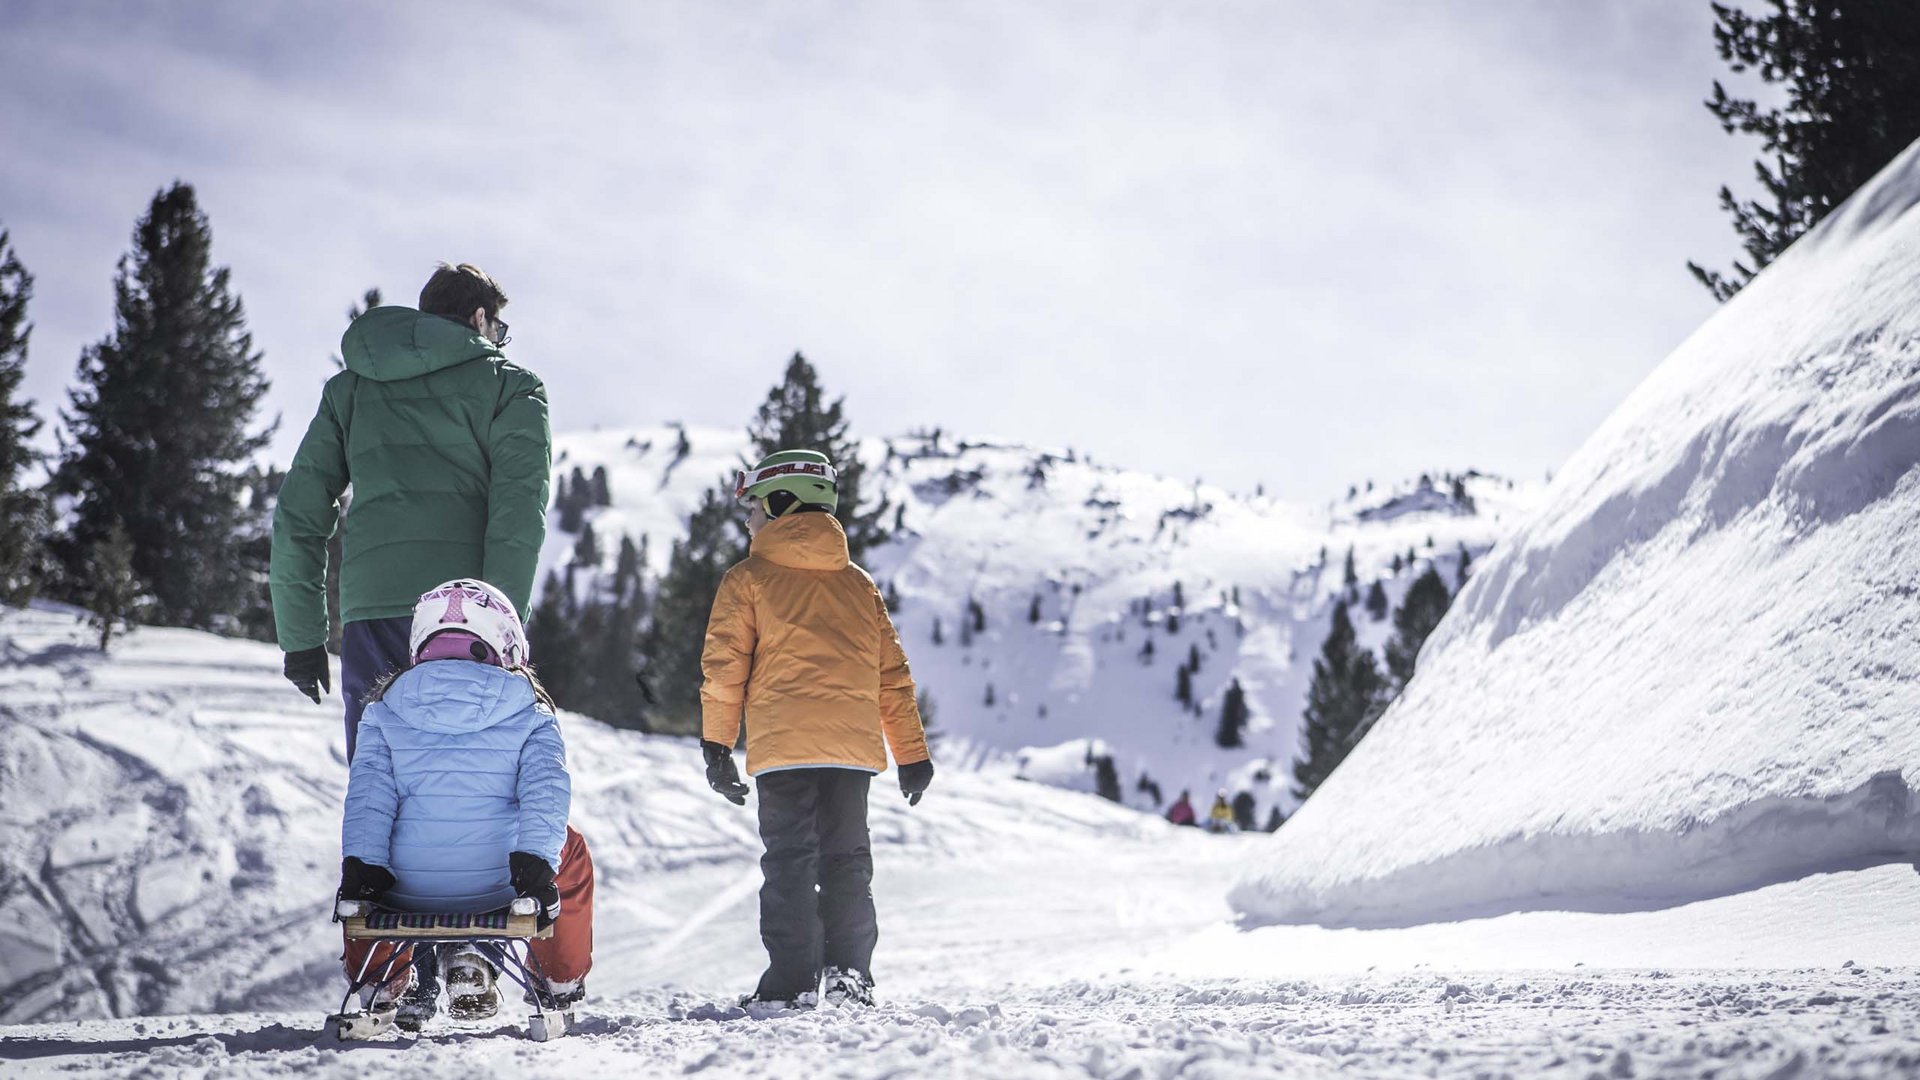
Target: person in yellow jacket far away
[(800, 647), (1220, 818)]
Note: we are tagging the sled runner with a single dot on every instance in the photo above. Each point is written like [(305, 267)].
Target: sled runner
[(501, 935)]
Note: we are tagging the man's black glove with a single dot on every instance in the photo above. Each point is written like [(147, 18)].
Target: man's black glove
[(307, 671), (532, 877), (914, 779), (363, 881), (721, 775)]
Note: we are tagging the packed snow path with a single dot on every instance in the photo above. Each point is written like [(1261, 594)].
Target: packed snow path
[(1838, 1022)]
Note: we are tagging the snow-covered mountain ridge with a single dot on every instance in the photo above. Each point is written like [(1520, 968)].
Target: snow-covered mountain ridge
[(1075, 567), (1700, 652)]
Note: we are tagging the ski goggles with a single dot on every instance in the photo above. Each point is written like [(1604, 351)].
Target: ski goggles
[(750, 478)]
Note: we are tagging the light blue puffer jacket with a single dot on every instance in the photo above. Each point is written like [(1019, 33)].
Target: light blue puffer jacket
[(456, 766)]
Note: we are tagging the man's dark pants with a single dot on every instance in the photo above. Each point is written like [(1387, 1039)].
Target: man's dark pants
[(370, 649), (816, 906)]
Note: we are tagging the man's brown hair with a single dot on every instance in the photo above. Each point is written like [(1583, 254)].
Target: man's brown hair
[(454, 291)]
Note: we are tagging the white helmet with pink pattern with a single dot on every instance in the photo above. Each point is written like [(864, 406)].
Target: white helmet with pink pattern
[(469, 614)]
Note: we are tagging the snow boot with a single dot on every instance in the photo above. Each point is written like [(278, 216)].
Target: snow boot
[(469, 976), (846, 986), (757, 1002), (557, 996), (422, 1001)]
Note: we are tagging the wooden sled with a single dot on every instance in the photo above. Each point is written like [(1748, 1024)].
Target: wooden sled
[(506, 931)]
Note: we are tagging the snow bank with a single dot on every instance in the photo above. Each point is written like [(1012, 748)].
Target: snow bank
[(1696, 670)]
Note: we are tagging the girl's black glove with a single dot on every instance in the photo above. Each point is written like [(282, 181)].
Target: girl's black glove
[(363, 881), (532, 877), (914, 779), (721, 775)]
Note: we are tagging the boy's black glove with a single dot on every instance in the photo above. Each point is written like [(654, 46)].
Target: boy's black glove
[(721, 775), (532, 877), (363, 881), (914, 779), (307, 671)]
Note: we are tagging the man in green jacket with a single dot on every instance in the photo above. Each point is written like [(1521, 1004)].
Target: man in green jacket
[(446, 445)]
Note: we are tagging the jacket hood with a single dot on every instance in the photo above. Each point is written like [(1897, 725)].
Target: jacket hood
[(805, 541), (392, 343), (452, 697)]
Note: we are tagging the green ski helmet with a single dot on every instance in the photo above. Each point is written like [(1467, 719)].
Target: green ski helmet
[(807, 475)]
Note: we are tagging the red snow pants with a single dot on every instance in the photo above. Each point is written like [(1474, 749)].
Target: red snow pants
[(564, 956)]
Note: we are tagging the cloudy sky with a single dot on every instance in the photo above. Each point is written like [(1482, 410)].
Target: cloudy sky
[(1284, 241)]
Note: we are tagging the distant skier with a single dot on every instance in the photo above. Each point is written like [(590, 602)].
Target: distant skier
[(1181, 812), (829, 692), (457, 802), (1220, 818), (446, 446)]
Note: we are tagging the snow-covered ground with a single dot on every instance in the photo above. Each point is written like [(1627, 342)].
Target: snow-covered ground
[(1695, 670), (1853, 1022), (168, 839), (1096, 553)]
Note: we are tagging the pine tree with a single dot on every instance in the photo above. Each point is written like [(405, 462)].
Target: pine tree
[(1244, 808), (1464, 569), (112, 590), (1350, 577), (1033, 609), (605, 636), (1850, 72), (1233, 718), (1377, 601), (159, 420), (939, 635), (1106, 778), (602, 495), (976, 615), (797, 416), (1426, 601), (586, 550), (680, 609), (1346, 694), (553, 641), (929, 715), (1275, 819), (571, 499), (23, 511), (1397, 563), (990, 696), (1183, 686), (892, 598), (1193, 657)]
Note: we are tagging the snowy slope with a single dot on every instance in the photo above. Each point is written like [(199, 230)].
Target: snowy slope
[(1695, 670), (1102, 549), (168, 838), (169, 842)]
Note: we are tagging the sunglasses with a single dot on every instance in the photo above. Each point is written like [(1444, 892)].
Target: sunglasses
[(500, 332)]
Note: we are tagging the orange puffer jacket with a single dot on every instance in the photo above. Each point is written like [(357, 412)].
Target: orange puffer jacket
[(799, 640)]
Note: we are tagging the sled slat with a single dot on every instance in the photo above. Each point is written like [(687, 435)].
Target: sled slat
[(399, 925)]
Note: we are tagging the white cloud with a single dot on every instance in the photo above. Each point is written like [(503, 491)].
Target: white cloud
[(1297, 242)]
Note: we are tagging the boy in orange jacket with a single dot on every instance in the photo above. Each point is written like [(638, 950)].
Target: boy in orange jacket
[(800, 644)]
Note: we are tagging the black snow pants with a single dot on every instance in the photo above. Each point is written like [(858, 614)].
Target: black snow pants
[(816, 906)]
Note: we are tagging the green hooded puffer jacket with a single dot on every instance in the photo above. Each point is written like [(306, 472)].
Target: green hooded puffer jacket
[(446, 445)]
